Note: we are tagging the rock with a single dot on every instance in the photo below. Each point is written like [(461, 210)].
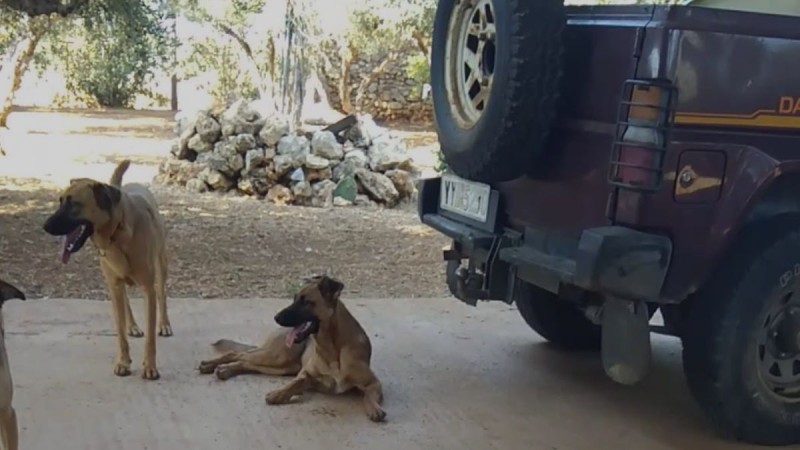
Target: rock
[(316, 162), (240, 118), (204, 158), (322, 194), (243, 142), (348, 147), (364, 132), (254, 158), (325, 145), (197, 144), (347, 189), (339, 201), (183, 121), (388, 153), (233, 162), (263, 107), (297, 175), (282, 164), (183, 143), (269, 153), (197, 185), (378, 186), (254, 182), (275, 127), (297, 147), (302, 193), (280, 195), (208, 129), (215, 180), (179, 171), (402, 182), (352, 161), (362, 200), (318, 174)]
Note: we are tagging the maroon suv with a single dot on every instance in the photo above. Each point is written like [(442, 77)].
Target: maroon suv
[(608, 162)]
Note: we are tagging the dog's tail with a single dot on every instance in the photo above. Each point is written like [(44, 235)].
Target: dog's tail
[(116, 177), (227, 345)]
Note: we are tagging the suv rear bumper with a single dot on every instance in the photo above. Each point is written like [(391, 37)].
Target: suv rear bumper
[(611, 260)]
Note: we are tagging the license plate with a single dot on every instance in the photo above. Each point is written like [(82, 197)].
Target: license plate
[(465, 198)]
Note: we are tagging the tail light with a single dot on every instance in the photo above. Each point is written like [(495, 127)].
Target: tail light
[(637, 158)]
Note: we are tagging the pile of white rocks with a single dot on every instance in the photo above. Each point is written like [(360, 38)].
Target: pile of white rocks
[(258, 154)]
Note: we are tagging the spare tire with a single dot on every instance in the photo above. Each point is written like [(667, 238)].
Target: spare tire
[(495, 73)]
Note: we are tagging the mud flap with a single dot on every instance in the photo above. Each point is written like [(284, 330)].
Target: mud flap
[(625, 340)]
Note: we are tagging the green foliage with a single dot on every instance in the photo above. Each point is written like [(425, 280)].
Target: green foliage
[(111, 54), (418, 68), (221, 57)]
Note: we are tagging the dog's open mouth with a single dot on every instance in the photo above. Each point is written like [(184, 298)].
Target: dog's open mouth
[(74, 240), (299, 333)]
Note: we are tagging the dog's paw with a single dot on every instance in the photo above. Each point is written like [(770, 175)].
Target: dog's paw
[(165, 330), (278, 397), (224, 373), (376, 414), (135, 331), (122, 369), (206, 367), (150, 373)]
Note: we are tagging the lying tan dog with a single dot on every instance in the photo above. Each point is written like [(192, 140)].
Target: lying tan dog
[(9, 433), (129, 234), (326, 350)]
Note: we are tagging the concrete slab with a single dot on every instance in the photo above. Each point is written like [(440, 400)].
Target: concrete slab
[(455, 377)]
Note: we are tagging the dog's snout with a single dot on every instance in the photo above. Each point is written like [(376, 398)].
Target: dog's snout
[(52, 225)]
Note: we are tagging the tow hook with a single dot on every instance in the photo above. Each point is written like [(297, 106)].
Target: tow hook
[(465, 284)]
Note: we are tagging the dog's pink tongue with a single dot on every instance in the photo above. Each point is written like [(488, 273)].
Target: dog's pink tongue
[(64, 252), (290, 336)]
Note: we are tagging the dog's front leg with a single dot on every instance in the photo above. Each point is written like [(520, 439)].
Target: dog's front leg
[(365, 380), (150, 371), (9, 432), (297, 386), (122, 368)]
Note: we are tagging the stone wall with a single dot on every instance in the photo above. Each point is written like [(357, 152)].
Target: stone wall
[(391, 96)]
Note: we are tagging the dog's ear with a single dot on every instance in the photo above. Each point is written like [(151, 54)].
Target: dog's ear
[(106, 196), (330, 288), (8, 292)]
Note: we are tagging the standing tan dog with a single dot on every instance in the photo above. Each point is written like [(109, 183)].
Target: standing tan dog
[(129, 234), (9, 433), (335, 359)]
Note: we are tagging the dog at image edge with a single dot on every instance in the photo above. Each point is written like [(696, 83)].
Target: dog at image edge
[(129, 234), (322, 345), (9, 433)]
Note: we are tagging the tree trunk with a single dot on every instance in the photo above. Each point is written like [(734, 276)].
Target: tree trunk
[(264, 92), (16, 64), (422, 45), (349, 55)]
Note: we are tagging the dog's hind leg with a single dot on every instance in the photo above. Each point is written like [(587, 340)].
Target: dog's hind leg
[(257, 361), (208, 366), (9, 433), (150, 372), (164, 326)]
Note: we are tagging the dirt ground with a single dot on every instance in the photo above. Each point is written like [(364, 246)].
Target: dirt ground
[(222, 246)]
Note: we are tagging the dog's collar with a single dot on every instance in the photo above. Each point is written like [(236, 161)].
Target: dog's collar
[(111, 239)]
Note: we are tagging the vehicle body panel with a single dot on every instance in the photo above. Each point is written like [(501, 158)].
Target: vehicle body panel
[(738, 100)]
